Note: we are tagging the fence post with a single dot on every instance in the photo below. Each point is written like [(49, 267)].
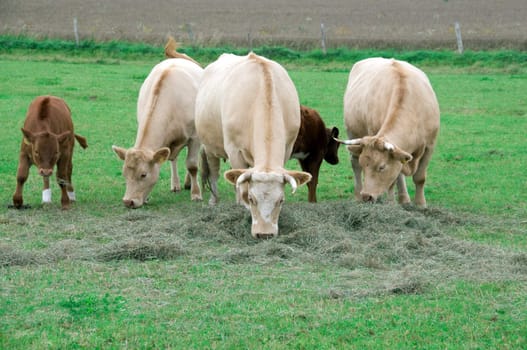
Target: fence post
[(458, 38), (76, 30), (190, 32), (323, 34)]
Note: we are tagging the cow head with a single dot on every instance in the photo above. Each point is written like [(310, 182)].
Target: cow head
[(141, 170), (332, 150), (263, 194), (45, 149), (381, 162)]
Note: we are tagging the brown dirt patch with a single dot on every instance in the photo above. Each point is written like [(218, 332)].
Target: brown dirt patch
[(297, 24)]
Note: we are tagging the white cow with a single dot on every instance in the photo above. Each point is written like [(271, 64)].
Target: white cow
[(165, 116), (247, 111), (391, 115)]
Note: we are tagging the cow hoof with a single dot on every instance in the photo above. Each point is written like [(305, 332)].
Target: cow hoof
[(18, 206), (196, 198), (264, 235)]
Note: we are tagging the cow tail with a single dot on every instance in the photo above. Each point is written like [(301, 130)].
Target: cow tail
[(205, 170), (171, 51), (82, 141), (170, 48)]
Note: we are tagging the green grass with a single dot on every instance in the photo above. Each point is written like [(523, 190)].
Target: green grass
[(177, 274)]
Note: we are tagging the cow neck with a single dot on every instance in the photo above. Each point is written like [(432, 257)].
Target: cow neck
[(393, 128)]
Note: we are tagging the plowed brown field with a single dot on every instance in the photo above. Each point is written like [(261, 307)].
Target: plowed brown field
[(294, 23)]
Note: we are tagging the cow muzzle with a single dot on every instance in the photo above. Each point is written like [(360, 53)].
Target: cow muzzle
[(132, 203), (45, 172), (368, 197), (264, 231)]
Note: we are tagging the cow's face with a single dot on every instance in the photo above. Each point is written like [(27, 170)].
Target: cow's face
[(381, 163), (263, 194), (141, 171), (45, 149), (332, 150)]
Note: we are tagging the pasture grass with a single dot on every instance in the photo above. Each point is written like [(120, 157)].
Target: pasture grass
[(179, 274)]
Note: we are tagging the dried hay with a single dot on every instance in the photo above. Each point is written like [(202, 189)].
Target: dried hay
[(375, 249)]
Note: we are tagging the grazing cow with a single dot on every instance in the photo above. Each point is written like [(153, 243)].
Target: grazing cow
[(314, 143), (48, 141), (247, 111), (392, 119), (165, 116)]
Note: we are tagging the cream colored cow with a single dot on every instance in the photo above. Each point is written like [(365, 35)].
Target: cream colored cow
[(247, 112), (165, 116), (391, 115)]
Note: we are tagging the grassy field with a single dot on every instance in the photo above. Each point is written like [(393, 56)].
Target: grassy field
[(177, 274)]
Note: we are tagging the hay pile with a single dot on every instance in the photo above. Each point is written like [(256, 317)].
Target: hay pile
[(380, 248)]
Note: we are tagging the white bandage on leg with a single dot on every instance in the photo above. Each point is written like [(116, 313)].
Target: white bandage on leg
[(71, 196), (46, 196)]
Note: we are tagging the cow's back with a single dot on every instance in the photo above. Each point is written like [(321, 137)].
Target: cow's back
[(260, 111), (386, 94), (48, 113), (165, 106), (209, 103)]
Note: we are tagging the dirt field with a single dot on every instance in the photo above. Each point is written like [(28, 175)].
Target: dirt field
[(294, 23)]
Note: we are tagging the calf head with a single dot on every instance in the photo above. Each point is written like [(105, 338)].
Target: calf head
[(141, 170), (263, 194), (381, 162), (45, 149), (332, 150)]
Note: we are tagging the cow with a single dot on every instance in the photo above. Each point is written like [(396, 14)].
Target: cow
[(391, 115), (314, 143), (247, 112), (165, 116), (48, 140)]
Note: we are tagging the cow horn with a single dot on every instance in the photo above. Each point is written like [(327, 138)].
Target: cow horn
[(292, 181), (349, 142), (243, 177)]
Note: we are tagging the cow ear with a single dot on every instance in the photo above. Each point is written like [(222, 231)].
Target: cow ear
[(297, 178), (335, 132), (121, 152), (161, 155), (233, 175), (356, 150), (402, 156), (28, 136), (62, 137)]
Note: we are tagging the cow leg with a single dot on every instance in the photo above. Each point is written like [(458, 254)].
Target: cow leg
[(175, 183), (21, 178), (419, 178), (69, 184), (357, 171), (46, 191), (63, 168), (210, 175), (311, 166), (402, 191), (192, 169)]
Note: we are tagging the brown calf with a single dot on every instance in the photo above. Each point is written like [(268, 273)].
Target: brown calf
[(314, 143), (48, 140)]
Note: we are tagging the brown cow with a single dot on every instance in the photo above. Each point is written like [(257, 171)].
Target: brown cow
[(392, 119), (48, 141), (314, 143)]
